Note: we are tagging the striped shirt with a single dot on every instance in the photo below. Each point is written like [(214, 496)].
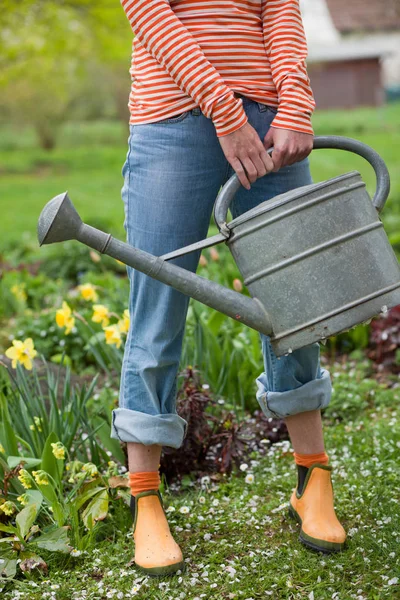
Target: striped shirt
[(189, 53)]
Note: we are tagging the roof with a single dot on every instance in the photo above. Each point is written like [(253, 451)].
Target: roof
[(365, 15), (346, 50)]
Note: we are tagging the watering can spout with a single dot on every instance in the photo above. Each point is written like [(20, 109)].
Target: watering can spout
[(59, 221)]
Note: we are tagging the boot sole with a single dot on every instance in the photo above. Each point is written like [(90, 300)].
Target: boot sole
[(313, 543), (168, 570)]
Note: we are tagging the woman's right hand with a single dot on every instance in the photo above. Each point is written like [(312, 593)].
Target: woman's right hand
[(246, 154)]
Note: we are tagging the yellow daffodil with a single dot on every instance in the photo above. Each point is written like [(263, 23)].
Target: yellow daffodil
[(22, 352), (113, 335), (24, 500), (8, 508), (2, 449), (101, 314), (58, 450), (123, 323), (64, 318), (88, 292), (90, 469), (25, 479), (41, 477), (19, 291)]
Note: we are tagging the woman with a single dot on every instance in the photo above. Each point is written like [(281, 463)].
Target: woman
[(214, 85)]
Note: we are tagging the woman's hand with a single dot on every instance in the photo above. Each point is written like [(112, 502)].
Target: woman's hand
[(289, 146), (246, 154)]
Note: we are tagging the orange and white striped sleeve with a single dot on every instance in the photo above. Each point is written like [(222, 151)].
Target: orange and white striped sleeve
[(286, 47), (164, 36)]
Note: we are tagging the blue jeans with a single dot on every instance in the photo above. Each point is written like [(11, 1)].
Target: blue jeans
[(172, 175)]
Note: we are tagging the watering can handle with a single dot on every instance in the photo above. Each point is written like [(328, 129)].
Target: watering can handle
[(332, 141)]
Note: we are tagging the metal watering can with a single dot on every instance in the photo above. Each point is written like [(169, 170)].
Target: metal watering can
[(316, 260)]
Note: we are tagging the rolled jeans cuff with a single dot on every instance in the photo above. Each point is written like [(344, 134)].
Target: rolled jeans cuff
[(134, 426), (315, 394)]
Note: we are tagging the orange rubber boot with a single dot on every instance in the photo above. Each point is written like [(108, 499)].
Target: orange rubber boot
[(313, 509), (156, 552)]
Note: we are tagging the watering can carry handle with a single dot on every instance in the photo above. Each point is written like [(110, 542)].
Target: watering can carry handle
[(332, 141)]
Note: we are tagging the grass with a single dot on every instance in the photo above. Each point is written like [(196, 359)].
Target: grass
[(239, 542), (89, 159)]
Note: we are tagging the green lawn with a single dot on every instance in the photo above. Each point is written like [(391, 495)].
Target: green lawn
[(89, 158), (239, 542)]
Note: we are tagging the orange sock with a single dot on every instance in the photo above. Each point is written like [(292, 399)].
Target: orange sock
[(307, 460), (144, 481)]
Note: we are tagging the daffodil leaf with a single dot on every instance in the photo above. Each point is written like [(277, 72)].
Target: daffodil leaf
[(7, 434), (13, 461), (215, 322), (97, 338), (26, 518), (49, 461), (103, 433)]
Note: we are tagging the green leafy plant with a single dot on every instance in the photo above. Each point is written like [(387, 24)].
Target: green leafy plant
[(33, 404), (227, 355), (20, 545)]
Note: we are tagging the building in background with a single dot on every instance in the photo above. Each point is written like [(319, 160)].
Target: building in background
[(354, 51)]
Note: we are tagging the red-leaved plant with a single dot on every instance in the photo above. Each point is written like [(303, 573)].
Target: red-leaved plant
[(385, 340), (213, 444)]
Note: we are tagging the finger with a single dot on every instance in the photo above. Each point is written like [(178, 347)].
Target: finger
[(251, 170), (278, 158), (240, 172), (267, 160), (293, 158), (305, 152), (268, 139), (298, 155), (258, 162)]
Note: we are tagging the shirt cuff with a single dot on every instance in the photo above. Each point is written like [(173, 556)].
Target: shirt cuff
[(294, 121), (230, 117)]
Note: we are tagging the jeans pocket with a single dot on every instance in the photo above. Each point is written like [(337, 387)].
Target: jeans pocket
[(174, 119), (267, 108)]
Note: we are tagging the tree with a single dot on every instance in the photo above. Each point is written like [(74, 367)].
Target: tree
[(49, 50)]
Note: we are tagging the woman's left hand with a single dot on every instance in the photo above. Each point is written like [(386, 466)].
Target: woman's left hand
[(289, 146)]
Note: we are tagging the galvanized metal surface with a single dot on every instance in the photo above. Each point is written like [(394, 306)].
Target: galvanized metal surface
[(226, 195), (59, 221), (317, 258)]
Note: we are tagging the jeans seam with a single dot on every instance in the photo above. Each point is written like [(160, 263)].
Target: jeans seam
[(127, 342), (276, 416), (113, 422)]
